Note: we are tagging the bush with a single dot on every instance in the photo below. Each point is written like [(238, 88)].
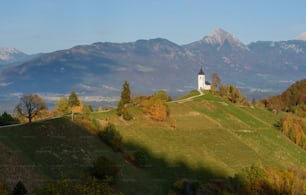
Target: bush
[(140, 158), (111, 137), (104, 168), (185, 186), (126, 115), (19, 189)]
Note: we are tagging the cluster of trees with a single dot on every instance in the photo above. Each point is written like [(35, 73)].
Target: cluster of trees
[(155, 106), (294, 129), (32, 106), (71, 104), (7, 119), (292, 99), (251, 180), (227, 91)]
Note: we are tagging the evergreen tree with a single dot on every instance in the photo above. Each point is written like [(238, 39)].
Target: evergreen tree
[(73, 99), (125, 99), (126, 93)]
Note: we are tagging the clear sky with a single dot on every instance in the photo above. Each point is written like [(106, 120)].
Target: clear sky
[(36, 26)]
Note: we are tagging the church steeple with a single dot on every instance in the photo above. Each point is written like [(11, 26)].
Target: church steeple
[(201, 71)]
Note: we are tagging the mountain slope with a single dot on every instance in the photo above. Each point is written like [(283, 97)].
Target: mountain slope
[(262, 67), (100, 68)]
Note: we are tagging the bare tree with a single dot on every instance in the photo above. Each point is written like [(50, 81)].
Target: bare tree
[(216, 82), (30, 105)]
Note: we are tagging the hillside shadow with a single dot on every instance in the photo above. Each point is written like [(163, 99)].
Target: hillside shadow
[(165, 174), (181, 179), (160, 176)]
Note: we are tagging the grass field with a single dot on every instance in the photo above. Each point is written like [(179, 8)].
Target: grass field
[(212, 138)]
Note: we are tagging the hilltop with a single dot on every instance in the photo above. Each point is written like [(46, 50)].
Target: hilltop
[(211, 138)]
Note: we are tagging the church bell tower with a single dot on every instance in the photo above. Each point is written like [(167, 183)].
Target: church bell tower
[(201, 80)]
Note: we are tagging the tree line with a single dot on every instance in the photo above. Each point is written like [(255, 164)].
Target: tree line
[(228, 91), (32, 107), (292, 100)]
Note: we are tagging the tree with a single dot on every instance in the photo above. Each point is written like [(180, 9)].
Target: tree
[(73, 99), (125, 99), (30, 106), (126, 93), (62, 106), (73, 102), (86, 109), (216, 82)]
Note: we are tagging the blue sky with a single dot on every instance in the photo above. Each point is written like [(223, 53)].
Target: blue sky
[(47, 25)]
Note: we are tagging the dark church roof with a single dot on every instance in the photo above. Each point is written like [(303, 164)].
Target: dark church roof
[(201, 72)]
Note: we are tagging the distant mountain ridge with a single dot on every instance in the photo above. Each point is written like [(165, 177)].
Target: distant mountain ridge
[(12, 56), (261, 68)]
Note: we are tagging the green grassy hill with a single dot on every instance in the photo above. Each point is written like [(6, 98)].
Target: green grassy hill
[(212, 138), (204, 138)]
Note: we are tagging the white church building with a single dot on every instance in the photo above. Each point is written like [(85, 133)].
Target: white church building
[(202, 83)]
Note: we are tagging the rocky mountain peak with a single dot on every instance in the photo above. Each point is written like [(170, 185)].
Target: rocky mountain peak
[(302, 36), (9, 54), (219, 36)]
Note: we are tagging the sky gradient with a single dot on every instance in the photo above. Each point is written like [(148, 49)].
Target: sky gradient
[(34, 26)]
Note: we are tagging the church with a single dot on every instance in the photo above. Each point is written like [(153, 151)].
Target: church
[(202, 83)]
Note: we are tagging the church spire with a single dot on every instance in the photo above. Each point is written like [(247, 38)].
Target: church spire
[(201, 71)]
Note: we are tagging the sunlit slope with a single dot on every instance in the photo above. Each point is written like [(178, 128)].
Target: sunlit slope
[(214, 134)]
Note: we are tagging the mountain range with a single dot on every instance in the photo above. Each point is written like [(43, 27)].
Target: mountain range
[(259, 69), (13, 57)]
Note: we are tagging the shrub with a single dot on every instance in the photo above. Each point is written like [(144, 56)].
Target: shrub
[(126, 115), (111, 137), (104, 168), (19, 189), (140, 158), (185, 186)]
